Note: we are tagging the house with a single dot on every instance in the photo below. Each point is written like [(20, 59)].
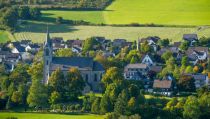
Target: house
[(90, 70), (119, 43), (200, 80), (25, 43), (16, 47), (177, 44), (191, 38), (173, 50), (152, 41), (147, 60), (163, 87), (57, 43), (156, 69), (76, 50), (74, 43), (9, 59), (135, 71), (197, 54), (32, 47)]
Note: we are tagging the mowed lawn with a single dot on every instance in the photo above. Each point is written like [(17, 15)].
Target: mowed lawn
[(4, 115), (167, 12), (37, 31)]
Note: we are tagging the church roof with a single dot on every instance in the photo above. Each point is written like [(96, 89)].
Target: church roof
[(81, 62)]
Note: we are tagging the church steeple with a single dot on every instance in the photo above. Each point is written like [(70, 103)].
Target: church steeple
[(47, 40), (48, 54)]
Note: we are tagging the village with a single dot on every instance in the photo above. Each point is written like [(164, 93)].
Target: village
[(150, 60)]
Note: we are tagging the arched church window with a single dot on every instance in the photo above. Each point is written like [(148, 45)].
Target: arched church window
[(47, 52), (95, 78), (86, 77)]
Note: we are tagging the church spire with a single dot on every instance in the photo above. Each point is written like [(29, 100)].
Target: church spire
[(47, 40)]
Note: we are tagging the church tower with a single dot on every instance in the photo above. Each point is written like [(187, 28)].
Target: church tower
[(48, 53)]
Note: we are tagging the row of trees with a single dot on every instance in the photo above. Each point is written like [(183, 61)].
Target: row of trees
[(9, 16), (71, 4)]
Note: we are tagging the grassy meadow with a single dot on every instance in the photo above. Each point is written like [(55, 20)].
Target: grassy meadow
[(4, 115), (36, 31), (5, 36), (167, 12)]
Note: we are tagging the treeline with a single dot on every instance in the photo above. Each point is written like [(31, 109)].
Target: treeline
[(68, 4), (9, 16)]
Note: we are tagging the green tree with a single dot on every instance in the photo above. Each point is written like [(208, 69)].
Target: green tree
[(191, 108), (167, 55), (16, 97), (184, 46), (105, 105), (113, 74), (57, 81), (55, 98), (75, 84), (189, 69), (37, 94), (95, 108), (186, 83), (66, 52), (121, 104), (184, 61)]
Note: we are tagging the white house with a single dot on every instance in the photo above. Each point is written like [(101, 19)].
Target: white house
[(147, 60)]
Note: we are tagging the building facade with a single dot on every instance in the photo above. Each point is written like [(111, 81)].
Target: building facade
[(90, 70)]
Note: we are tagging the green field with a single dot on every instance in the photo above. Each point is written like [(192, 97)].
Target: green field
[(4, 115), (167, 12), (5, 36), (36, 31)]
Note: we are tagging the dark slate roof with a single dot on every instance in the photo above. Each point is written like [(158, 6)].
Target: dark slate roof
[(18, 47), (97, 66), (34, 45), (190, 37), (81, 62)]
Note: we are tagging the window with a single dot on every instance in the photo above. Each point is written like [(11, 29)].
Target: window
[(47, 52), (47, 62), (95, 78), (86, 77)]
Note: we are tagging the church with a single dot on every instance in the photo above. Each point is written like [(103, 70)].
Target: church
[(91, 71)]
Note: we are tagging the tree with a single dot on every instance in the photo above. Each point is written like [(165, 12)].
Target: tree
[(184, 61), (132, 105), (134, 60), (186, 83), (121, 104), (164, 42), (66, 52), (95, 108), (105, 105), (75, 84), (189, 69), (37, 94), (113, 74), (35, 13), (16, 97), (191, 108), (196, 69), (176, 72), (145, 47), (133, 56), (8, 19), (55, 97), (57, 81), (24, 12), (59, 20), (184, 46), (90, 44), (166, 55)]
